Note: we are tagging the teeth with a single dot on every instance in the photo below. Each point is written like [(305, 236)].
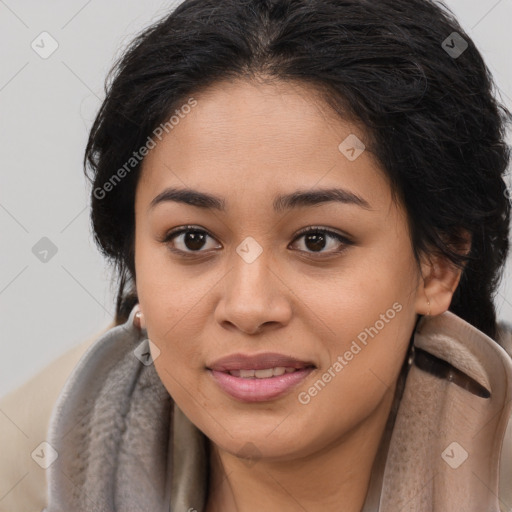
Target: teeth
[(261, 374)]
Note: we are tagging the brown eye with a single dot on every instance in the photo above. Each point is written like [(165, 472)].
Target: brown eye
[(194, 240), (316, 240), (188, 240)]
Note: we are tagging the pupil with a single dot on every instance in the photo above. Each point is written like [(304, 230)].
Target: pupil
[(194, 240), (318, 241)]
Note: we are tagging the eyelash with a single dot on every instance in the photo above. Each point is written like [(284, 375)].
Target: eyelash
[(312, 229)]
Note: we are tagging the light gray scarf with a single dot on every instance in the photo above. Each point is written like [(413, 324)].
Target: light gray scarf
[(113, 430)]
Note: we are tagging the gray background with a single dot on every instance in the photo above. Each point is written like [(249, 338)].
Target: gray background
[(46, 108)]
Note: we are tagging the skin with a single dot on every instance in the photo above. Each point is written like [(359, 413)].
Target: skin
[(248, 142)]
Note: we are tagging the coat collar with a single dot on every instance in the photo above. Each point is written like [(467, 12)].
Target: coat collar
[(445, 448)]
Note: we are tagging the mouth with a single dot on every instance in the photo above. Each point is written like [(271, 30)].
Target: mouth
[(266, 373), (259, 378)]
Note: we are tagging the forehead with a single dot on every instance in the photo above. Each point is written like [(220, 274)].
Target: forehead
[(278, 137)]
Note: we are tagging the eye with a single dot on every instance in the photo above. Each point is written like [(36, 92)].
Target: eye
[(187, 240), (316, 239)]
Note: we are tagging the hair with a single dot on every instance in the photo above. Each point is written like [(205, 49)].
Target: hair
[(432, 119)]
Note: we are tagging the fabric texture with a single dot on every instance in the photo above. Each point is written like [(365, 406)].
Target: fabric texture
[(124, 445), (24, 419)]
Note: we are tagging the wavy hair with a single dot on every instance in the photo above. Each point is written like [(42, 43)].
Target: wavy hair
[(432, 118)]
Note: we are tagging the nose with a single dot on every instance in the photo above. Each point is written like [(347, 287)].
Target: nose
[(254, 297)]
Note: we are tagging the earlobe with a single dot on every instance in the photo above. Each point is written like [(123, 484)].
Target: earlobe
[(138, 319)]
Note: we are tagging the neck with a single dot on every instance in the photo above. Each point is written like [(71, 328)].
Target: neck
[(337, 477)]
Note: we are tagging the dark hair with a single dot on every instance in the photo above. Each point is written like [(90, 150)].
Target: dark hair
[(432, 119)]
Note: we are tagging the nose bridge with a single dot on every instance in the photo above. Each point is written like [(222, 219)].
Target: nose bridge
[(252, 293), (251, 274)]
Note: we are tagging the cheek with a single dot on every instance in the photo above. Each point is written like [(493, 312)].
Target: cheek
[(167, 296), (368, 315), (362, 364), (168, 292), (174, 300), (375, 291)]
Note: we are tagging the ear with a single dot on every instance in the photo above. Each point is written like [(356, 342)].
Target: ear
[(440, 278)]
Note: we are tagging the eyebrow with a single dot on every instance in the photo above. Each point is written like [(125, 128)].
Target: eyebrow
[(296, 199)]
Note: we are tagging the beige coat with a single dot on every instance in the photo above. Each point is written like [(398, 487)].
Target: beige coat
[(25, 415)]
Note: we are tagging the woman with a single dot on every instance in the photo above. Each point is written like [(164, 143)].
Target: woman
[(306, 206)]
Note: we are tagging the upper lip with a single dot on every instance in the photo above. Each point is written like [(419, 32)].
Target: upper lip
[(257, 362)]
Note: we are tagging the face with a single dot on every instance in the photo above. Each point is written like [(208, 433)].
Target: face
[(238, 275)]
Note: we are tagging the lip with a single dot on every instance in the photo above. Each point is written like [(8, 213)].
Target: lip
[(257, 362), (255, 389), (259, 390)]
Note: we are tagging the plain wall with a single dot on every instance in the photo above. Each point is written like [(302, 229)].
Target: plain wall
[(46, 109)]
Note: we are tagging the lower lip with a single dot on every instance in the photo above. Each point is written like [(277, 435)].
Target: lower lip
[(259, 390)]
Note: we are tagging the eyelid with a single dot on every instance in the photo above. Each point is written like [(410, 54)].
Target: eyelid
[(175, 232), (181, 229), (343, 239), (324, 229)]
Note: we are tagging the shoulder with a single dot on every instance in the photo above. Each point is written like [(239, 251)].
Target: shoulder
[(24, 419)]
